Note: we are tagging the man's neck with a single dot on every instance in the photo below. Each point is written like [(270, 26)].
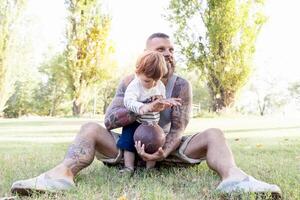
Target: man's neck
[(165, 80)]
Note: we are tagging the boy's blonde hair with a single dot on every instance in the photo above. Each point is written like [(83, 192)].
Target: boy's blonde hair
[(152, 64)]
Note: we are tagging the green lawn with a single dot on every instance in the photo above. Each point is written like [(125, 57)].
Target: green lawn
[(267, 148)]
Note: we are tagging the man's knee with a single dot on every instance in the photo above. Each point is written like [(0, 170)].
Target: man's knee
[(214, 134), (91, 129)]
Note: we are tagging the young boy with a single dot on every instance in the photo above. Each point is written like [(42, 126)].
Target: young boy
[(145, 88)]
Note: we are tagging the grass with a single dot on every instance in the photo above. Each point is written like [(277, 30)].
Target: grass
[(267, 148)]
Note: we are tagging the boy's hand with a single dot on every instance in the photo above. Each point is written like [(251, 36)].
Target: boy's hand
[(160, 105)]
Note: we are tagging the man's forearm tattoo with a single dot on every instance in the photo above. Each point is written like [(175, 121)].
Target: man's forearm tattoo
[(79, 155), (181, 114), (172, 142)]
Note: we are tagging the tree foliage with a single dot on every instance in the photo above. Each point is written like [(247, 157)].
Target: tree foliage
[(53, 90), (21, 102), (199, 88), (107, 91), (294, 89), (218, 37), (9, 13), (264, 95), (88, 50)]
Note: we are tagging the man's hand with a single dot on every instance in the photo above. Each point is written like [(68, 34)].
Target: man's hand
[(173, 101), (157, 156)]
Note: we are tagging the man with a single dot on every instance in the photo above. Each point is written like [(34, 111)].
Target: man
[(95, 140)]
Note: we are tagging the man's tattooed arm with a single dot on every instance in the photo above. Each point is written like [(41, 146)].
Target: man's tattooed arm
[(116, 114), (180, 115)]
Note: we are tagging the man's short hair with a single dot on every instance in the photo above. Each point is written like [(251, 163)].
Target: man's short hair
[(158, 35)]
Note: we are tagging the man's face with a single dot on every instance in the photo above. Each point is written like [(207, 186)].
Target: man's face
[(164, 46)]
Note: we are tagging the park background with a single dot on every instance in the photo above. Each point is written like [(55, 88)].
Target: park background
[(61, 61)]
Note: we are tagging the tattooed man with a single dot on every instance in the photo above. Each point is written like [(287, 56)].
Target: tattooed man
[(94, 140)]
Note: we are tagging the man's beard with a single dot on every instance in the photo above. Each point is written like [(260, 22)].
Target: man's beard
[(170, 67)]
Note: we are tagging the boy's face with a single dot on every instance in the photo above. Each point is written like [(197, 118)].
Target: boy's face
[(147, 82)]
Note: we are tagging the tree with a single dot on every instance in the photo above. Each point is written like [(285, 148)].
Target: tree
[(53, 90), (88, 50), (264, 94), (21, 102), (294, 90), (107, 91), (199, 88), (9, 13), (218, 37)]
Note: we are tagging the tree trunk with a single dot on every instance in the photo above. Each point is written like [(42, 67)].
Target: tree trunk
[(220, 99), (53, 107), (106, 104), (262, 109), (77, 108)]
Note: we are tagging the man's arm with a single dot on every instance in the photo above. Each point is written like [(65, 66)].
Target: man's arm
[(116, 114), (180, 115)]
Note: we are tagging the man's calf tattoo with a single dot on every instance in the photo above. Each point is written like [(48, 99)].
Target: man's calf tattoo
[(79, 155)]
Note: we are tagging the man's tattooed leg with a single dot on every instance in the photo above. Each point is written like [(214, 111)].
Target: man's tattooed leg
[(80, 154)]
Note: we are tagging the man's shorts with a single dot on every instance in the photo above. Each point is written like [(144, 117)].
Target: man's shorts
[(176, 158)]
